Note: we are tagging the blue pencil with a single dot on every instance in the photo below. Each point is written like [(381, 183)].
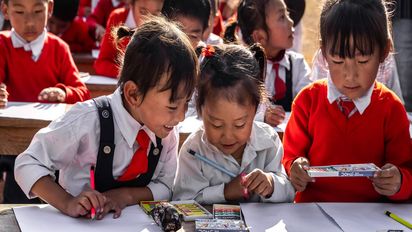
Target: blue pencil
[(211, 163)]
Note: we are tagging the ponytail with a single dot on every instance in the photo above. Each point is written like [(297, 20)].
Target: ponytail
[(260, 55), (230, 36), (121, 32)]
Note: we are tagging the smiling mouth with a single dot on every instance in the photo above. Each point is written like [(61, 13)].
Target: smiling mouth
[(168, 127), (351, 88)]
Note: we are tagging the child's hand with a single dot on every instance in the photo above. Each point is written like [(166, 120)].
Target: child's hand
[(234, 190), (259, 182), (99, 32), (117, 201), (388, 180), (274, 115), (298, 175), (52, 94), (3, 95), (83, 203)]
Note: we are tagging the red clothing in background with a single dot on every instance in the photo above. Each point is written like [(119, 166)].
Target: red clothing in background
[(107, 64), (320, 132), (77, 37), (26, 78), (100, 14)]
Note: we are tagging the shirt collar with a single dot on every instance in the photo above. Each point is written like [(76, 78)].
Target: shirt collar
[(130, 22), (361, 103), (115, 3), (128, 126), (34, 46), (284, 62)]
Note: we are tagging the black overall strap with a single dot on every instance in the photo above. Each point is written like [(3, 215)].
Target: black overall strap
[(104, 179), (286, 102), (104, 163)]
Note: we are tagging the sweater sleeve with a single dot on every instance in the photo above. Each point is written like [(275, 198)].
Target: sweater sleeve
[(296, 139), (69, 79), (106, 64), (398, 147), (3, 58)]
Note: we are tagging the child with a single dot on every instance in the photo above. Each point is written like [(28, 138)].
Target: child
[(107, 63), (229, 93), (267, 22), (156, 81), (73, 30), (97, 20), (49, 73), (209, 36), (349, 117), (193, 15)]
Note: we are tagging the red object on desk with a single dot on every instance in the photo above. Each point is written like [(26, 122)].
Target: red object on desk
[(92, 210)]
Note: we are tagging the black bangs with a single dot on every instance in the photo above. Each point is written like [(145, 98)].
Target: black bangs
[(351, 26)]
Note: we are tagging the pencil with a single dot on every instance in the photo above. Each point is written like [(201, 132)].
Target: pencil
[(398, 219), (92, 210), (221, 168), (211, 163)]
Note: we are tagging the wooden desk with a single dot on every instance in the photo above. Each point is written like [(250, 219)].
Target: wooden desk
[(17, 132), (84, 62), (100, 85), (9, 223)]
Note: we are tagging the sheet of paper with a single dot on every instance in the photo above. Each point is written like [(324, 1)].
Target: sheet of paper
[(47, 218), (29, 110), (286, 217), (367, 216), (99, 80)]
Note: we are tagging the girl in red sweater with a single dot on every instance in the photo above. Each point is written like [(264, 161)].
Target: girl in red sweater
[(349, 117), (108, 64)]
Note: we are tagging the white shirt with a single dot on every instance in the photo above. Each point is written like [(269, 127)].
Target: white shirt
[(70, 144), (205, 184), (35, 46), (361, 103), (130, 22), (300, 77)]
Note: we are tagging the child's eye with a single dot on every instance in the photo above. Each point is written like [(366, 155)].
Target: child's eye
[(337, 61), (240, 126), (217, 126), (363, 61), (172, 108), (38, 11), (19, 12)]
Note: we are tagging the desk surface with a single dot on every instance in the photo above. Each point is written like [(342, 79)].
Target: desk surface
[(84, 62), (9, 223)]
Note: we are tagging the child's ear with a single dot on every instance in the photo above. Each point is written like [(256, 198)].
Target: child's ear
[(386, 51), (50, 9), (5, 10), (130, 93), (260, 36)]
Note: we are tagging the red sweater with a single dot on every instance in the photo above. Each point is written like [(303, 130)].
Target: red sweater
[(107, 64), (77, 37), (320, 132), (25, 78), (101, 14)]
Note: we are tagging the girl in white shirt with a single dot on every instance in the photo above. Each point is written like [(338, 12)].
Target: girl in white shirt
[(229, 93), (267, 22), (157, 79)]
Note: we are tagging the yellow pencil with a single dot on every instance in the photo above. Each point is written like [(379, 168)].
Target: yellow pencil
[(398, 219)]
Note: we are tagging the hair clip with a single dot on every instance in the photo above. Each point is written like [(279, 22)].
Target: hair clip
[(208, 51)]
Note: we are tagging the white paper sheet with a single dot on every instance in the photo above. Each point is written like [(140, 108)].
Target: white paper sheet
[(47, 218), (189, 125), (367, 216), (28, 110), (99, 80), (286, 217)]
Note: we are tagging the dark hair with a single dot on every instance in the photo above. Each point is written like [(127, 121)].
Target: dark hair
[(159, 47), (7, 1), (251, 15), (197, 9), (296, 9), (350, 25), (65, 10), (233, 73)]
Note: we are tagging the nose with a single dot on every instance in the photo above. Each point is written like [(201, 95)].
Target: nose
[(351, 70), (28, 20), (228, 134)]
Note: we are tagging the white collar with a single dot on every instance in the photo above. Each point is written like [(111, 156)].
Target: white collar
[(130, 22), (284, 62), (115, 3), (128, 126), (361, 103), (34, 46)]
